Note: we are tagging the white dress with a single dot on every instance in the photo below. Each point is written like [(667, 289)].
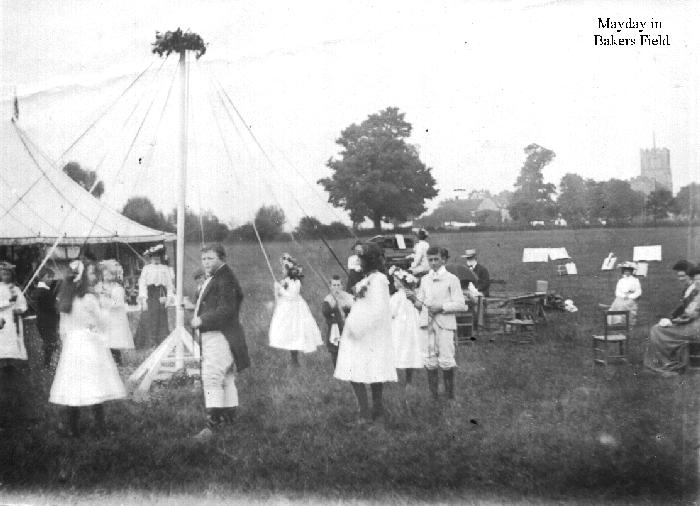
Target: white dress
[(366, 351), (113, 301), (11, 343), (410, 347), (86, 373), (293, 326)]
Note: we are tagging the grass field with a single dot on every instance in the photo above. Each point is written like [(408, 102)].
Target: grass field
[(530, 422)]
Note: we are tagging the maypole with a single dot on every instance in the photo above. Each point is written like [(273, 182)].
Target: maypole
[(156, 366)]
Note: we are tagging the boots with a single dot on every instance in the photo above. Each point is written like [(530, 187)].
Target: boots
[(448, 376), (98, 412), (361, 394), (433, 382), (73, 416), (228, 415), (377, 402)]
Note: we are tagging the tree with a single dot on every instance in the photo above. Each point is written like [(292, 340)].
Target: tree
[(85, 178), (309, 227), (622, 203), (141, 210), (573, 199), (686, 206), (379, 175), (659, 203), (532, 199), (269, 221)]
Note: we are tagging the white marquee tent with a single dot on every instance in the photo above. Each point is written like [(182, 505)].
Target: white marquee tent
[(40, 203)]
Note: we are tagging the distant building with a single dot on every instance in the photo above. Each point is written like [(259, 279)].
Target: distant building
[(655, 164)]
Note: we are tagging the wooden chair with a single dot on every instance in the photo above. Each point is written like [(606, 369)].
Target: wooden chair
[(615, 333), (466, 331), (693, 355), (521, 330)]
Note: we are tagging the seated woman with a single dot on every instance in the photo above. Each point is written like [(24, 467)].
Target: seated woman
[(667, 352), (627, 291)]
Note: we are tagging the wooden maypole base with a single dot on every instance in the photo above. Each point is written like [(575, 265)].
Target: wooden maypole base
[(175, 353)]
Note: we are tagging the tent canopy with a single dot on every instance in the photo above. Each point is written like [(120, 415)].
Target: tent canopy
[(40, 203)]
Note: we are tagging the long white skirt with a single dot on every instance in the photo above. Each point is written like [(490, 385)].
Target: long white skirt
[(86, 373), (293, 326), (410, 345), (11, 343), (118, 330)]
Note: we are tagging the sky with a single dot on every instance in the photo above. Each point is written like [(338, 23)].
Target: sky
[(479, 81)]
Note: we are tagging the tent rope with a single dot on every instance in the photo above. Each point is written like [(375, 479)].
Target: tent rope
[(123, 162), (269, 160), (104, 113), (238, 182)]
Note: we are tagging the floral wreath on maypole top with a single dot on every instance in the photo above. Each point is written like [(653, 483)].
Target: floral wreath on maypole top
[(406, 278), (178, 42)]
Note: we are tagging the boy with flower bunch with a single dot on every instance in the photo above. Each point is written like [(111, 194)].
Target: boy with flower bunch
[(410, 345)]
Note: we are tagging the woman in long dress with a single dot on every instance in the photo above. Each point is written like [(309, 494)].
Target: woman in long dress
[(86, 374), (667, 350), (366, 350), (12, 303), (409, 342), (293, 326), (112, 299), (155, 287), (627, 291)]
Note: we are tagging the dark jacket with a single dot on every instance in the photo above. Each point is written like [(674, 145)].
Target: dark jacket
[(332, 315), (684, 303), (45, 304), (219, 310), (483, 282)]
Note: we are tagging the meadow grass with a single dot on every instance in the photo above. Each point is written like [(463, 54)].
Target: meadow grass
[(530, 422)]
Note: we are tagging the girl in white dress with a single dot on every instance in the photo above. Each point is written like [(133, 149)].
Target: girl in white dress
[(366, 350), (113, 300), (409, 342), (86, 374), (12, 303), (293, 326), (627, 291)]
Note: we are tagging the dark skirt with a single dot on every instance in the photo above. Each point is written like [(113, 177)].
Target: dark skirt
[(153, 326)]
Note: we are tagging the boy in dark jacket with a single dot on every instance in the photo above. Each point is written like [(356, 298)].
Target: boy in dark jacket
[(44, 296)]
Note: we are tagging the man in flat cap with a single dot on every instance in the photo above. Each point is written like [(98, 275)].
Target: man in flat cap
[(482, 274)]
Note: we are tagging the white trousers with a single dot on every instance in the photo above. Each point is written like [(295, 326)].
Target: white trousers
[(218, 379), (441, 347)]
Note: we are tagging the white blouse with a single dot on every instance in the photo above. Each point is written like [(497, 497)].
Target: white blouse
[(158, 275), (628, 287)]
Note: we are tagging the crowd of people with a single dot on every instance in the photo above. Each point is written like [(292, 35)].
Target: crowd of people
[(383, 321)]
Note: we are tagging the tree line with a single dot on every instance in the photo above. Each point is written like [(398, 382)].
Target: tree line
[(379, 176)]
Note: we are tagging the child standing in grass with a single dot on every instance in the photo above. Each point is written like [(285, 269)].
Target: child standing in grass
[(439, 297), (409, 343), (86, 374), (113, 300), (44, 296), (335, 308), (293, 326)]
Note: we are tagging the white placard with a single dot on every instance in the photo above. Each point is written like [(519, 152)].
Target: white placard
[(642, 269), (535, 255), (571, 268), (558, 254), (609, 262), (400, 242), (647, 253)]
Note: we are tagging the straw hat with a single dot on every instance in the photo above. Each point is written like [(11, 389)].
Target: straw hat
[(469, 253)]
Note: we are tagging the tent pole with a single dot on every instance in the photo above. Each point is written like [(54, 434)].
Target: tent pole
[(179, 304)]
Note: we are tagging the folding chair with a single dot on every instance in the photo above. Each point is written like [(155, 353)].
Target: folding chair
[(616, 331)]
